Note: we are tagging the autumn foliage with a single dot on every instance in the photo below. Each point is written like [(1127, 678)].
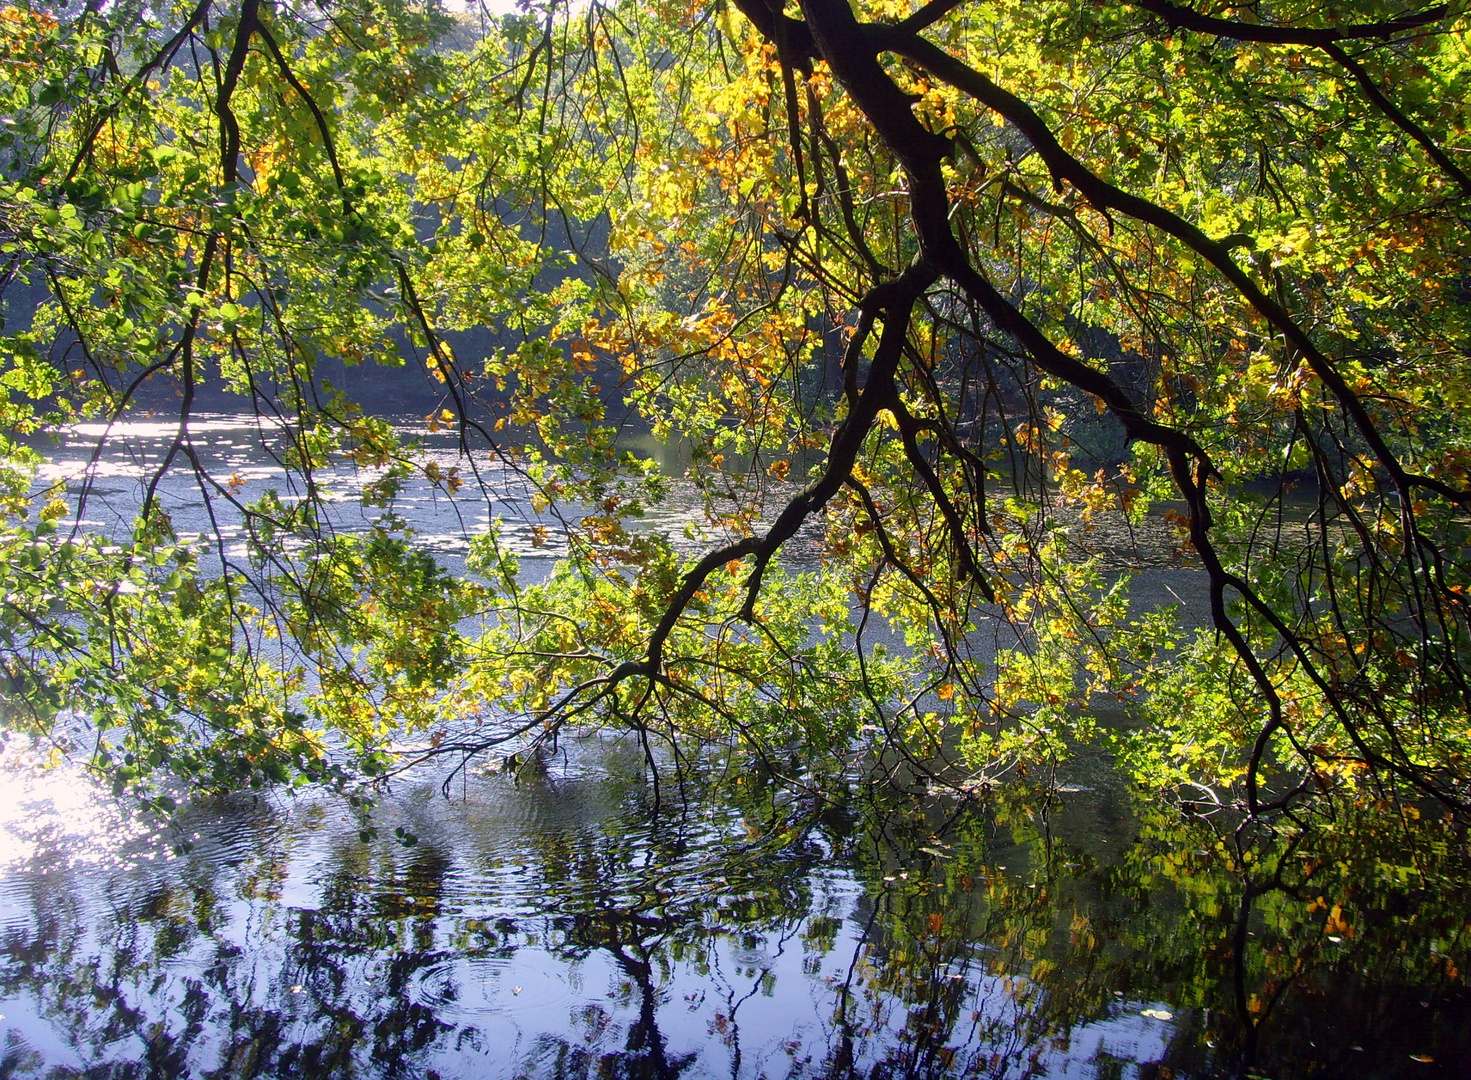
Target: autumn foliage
[(999, 308)]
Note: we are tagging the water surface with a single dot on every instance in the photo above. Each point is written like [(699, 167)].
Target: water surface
[(557, 925), (564, 924)]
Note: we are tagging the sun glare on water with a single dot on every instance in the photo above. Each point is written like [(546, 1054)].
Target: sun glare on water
[(58, 815)]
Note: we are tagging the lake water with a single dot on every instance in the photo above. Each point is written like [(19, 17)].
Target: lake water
[(558, 924), (554, 925)]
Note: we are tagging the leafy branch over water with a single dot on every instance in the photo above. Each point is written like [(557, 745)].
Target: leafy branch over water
[(958, 287)]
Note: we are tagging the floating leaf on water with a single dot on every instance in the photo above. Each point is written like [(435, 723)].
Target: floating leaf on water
[(1425, 1059), (1157, 1014)]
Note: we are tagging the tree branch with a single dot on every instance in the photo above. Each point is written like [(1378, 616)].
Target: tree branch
[(1105, 196), (1399, 119), (1188, 19)]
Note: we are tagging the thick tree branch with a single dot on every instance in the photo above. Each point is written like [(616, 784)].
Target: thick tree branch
[(765, 16), (1105, 196), (925, 17), (1185, 18), (854, 63), (230, 133), (849, 438), (894, 300), (1398, 118), (920, 152)]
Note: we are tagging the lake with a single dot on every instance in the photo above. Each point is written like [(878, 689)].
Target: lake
[(559, 922)]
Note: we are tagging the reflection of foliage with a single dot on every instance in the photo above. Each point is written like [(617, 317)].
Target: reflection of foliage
[(973, 941), (1285, 950), (365, 983)]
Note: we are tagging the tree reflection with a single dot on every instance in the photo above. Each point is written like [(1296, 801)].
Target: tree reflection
[(1322, 945), (757, 933)]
